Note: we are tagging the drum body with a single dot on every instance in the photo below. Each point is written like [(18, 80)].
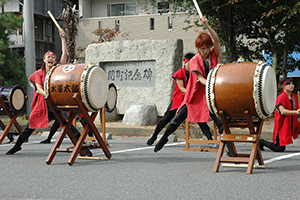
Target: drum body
[(237, 87), (88, 81), (13, 97)]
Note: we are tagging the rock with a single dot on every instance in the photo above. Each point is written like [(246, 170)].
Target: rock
[(142, 115)]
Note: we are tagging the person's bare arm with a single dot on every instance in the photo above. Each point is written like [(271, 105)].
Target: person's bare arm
[(200, 78), (39, 89), (64, 55), (285, 111), (216, 41), (180, 84)]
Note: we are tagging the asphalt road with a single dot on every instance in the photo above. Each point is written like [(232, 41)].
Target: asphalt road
[(136, 172)]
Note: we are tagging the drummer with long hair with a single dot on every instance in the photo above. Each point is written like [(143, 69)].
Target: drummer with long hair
[(41, 114), (194, 107), (286, 124)]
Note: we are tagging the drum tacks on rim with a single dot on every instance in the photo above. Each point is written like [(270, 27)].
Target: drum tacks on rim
[(89, 81), (237, 87)]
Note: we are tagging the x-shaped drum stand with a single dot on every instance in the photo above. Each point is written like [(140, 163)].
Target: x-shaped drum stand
[(13, 118), (78, 144), (253, 138)]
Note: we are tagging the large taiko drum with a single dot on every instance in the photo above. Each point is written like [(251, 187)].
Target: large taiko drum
[(13, 97), (88, 81), (237, 87)]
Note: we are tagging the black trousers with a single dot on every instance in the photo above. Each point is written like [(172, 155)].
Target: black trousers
[(182, 115), (25, 134), (274, 147), (168, 116)]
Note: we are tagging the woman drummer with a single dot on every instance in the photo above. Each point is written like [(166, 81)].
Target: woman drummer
[(286, 125), (194, 106), (40, 113)]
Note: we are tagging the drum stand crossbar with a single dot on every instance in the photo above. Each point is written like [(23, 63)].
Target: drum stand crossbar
[(229, 138), (189, 140), (13, 118), (78, 144)]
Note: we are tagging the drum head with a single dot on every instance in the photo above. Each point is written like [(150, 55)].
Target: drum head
[(266, 91), (94, 88), (17, 98), (111, 103)]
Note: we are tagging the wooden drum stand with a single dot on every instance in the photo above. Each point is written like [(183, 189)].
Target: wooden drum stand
[(229, 138), (13, 118), (189, 140), (78, 144)]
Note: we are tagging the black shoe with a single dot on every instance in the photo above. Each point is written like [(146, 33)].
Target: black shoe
[(88, 153), (13, 150), (261, 144), (10, 136), (160, 144), (151, 140), (45, 141)]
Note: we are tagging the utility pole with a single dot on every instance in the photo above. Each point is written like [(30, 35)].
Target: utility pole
[(28, 15)]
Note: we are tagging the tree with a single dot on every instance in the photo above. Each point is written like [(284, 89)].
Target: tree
[(12, 65), (247, 28)]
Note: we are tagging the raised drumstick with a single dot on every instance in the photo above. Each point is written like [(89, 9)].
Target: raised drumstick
[(197, 8), (54, 20)]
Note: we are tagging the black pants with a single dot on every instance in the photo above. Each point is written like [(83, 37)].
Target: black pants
[(168, 116), (274, 147), (182, 115), (25, 134), (84, 123)]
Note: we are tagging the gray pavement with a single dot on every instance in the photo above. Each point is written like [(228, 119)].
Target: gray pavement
[(136, 172)]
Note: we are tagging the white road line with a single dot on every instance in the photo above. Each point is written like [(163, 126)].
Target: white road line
[(139, 149), (281, 157), (173, 144)]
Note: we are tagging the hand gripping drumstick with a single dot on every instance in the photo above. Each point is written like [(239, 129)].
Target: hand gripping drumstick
[(197, 8)]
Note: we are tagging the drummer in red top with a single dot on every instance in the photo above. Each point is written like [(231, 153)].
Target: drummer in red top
[(286, 125), (194, 106), (180, 81), (41, 115)]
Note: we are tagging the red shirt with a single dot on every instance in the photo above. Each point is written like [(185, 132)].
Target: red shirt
[(195, 98), (39, 114), (282, 123), (177, 96)]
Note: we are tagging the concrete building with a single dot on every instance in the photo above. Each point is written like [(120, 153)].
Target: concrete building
[(138, 20)]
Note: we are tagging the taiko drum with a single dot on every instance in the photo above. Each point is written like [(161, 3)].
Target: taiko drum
[(237, 87), (88, 81)]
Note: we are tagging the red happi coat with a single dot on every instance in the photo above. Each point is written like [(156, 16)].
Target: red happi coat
[(195, 98), (282, 123), (39, 113), (177, 96)]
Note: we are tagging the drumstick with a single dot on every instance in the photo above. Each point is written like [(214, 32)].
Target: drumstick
[(197, 8), (197, 28), (54, 20)]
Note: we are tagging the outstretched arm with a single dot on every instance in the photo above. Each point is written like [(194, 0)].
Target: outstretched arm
[(216, 41), (285, 111), (64, 55)]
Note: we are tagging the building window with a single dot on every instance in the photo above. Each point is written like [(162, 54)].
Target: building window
[(117, 23), (100, 24), (121, 9), (170, 23), (43, 30), (151, 23)]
